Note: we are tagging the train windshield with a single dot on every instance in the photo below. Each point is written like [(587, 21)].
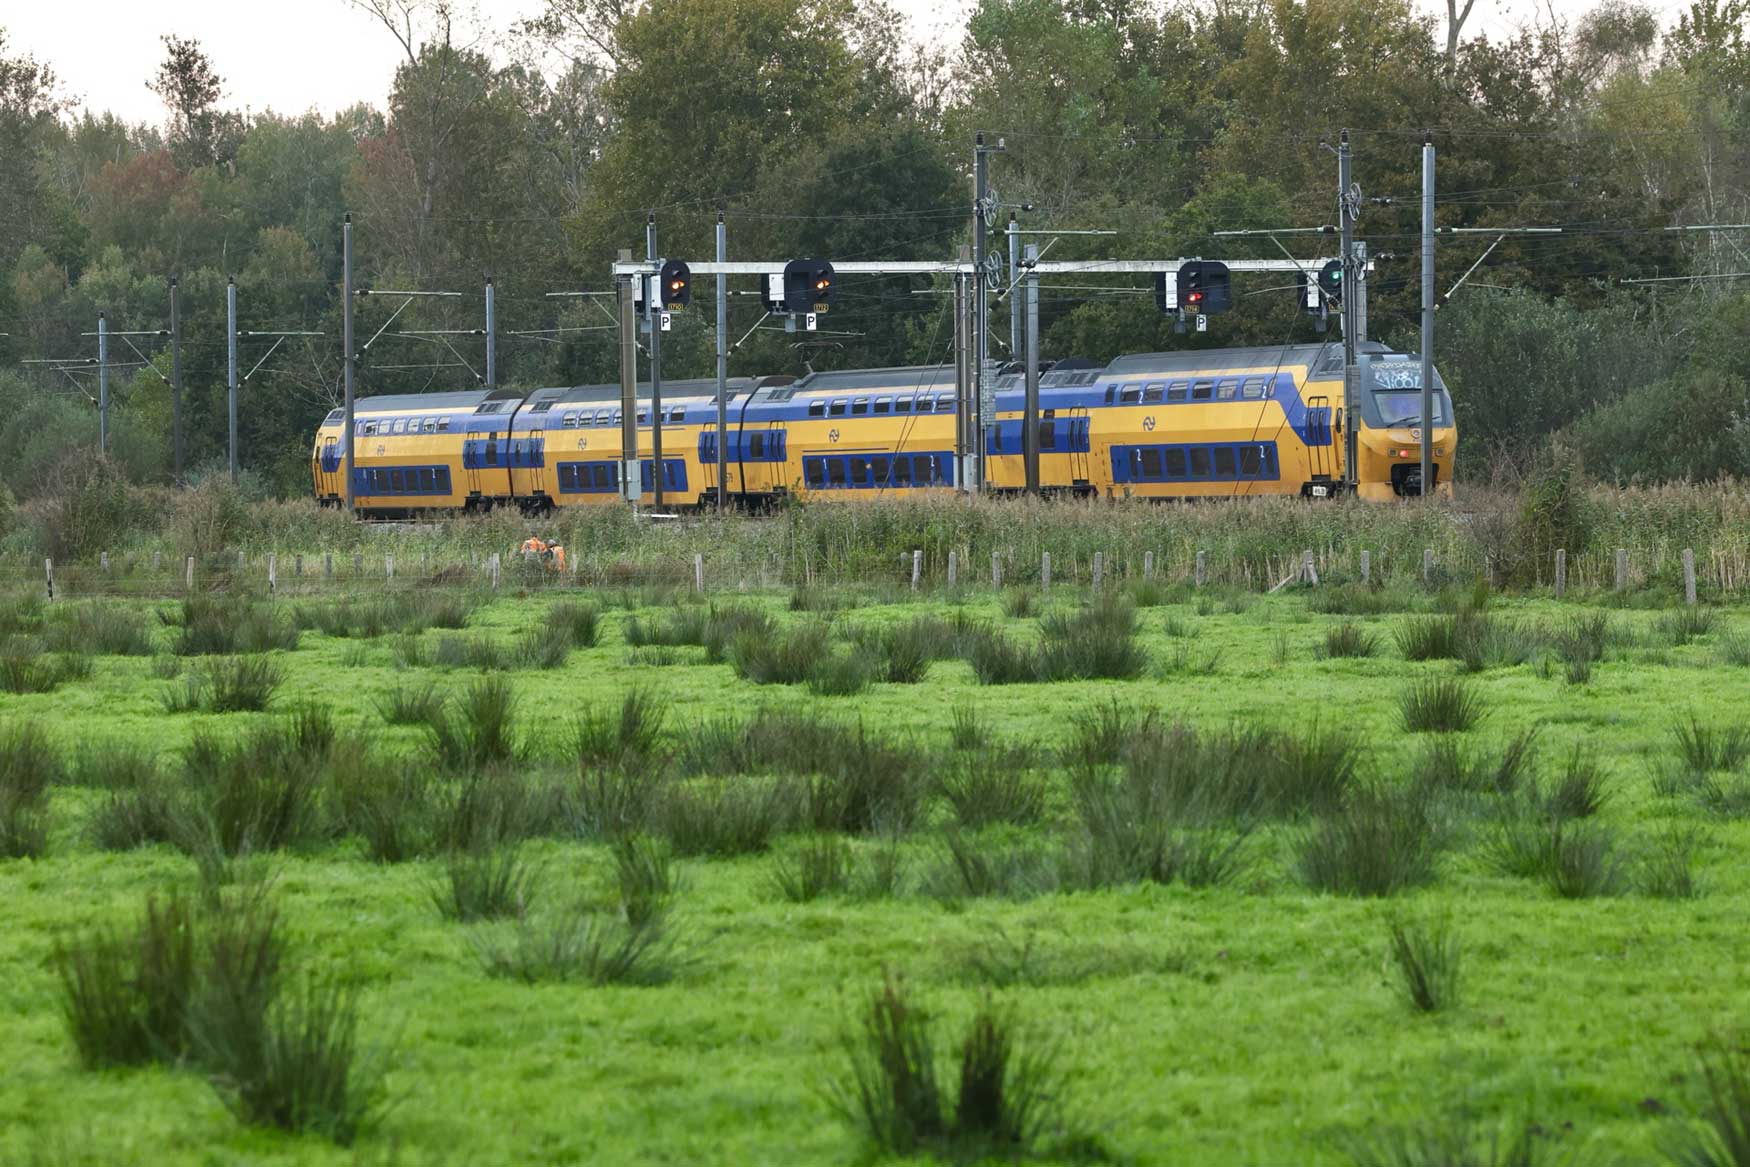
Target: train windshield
[(1394, 393)]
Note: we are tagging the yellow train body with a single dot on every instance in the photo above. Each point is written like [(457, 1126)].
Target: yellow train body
[(1202, 424)]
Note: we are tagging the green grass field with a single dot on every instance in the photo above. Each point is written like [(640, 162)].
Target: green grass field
[(1249, 1019)]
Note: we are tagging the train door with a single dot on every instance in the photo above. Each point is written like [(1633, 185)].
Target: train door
[(535, 457), (1318, 436), (1078, 438), (329, 466)]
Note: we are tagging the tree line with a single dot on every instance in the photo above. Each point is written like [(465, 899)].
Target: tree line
[(815, 128)]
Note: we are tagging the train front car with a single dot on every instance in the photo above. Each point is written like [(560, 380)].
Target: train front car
[(418, 453), (1393, 429)]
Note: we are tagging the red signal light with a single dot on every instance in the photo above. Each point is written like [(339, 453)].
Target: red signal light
[(1194, 297)]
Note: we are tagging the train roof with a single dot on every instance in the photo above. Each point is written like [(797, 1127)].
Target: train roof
[(426, 402), (896, 377), (1199, 359), (689, 387)]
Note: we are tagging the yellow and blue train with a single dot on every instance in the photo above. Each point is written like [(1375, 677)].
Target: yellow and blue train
[(1209, 423)]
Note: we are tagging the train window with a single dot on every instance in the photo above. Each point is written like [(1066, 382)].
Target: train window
[(370, 428), (902, 405), (884, 405), (923, 404), (901, 470), (1202, 390), (1252, 389), (1153, 391), (443, 423), (860, 405), (1130, 395), (540, 407), (679, 413), (878, 470), (945, 403), (1227, 388), (395, 486), (643, 416), (334, 415), (1251, 461), (837, 408), (1048, 435), (1175, 463), (429, 425), (1151, 462), (835, 471), (492, 450), (604, 417), (756, 446), (569, 421), (815, 472), (618, 417), (1111, 394), (859, 471), (400, 426), (1178, 390), (817, 409), (1199, 462), (1224, 461), (427, 480), (443, 480)]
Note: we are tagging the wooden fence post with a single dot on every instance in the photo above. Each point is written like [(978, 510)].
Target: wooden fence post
[(1099, 569), (1366, 566), (917, 568), (1148, 565), (157, 561), (953, 569), (328, 565), (492, 569), (1622, 569), (1045, 572), (298, 565), (49, 572), (358, 563), (388, 565), (272, 571), (103, 561), (1202, 570), (698, 572), (1561, 572), (1427, 565), (242, 562), (996, 569), (188, 574), (1309, 573), (1689, 576)]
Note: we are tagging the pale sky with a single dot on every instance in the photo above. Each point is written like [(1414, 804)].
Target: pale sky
[(290, 55)]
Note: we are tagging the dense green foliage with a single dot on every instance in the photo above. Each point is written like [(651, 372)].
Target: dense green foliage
[(817, 130)]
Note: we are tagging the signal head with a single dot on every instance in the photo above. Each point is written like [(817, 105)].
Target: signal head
[(676, 281)]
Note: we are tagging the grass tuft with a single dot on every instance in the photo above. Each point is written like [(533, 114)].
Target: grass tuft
[(1380, 842), (581, 947), (489, 884), (475, 728), (1349, 640), (819, 866), (1441, 705), (1426, 959)]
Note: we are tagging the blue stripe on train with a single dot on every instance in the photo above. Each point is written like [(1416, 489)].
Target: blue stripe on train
[(877, 471), (602, 476)]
